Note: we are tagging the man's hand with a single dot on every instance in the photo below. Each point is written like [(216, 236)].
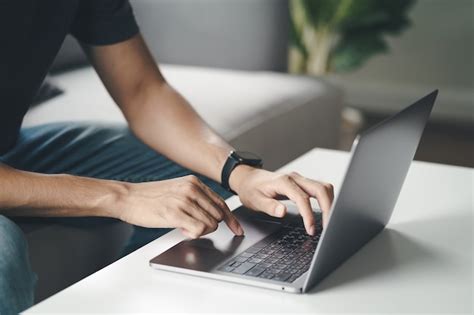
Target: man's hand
[(259, 189), (185, 203)]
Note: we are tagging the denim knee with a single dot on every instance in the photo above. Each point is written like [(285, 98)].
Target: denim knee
[(17, 281)]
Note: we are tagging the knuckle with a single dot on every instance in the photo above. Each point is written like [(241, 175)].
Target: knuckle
[(303, 195), (222, 205), (319, 189), (192, 189), (219, 216), (189, 188), (194, 235), (214, 225), (193, 179), (182, 203), (200, 228), (329, 187), (188, 201), (295, 174), (285, 178), (214, 228)]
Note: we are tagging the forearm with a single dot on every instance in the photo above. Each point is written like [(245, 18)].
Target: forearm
[(166, 122), (32, 194), (156, 113)]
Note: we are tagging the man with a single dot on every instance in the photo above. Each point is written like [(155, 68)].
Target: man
[(71, 170)]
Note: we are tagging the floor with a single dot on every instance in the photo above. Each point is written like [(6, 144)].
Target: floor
[(446, 143)]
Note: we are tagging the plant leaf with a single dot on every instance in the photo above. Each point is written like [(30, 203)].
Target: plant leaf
[(353, 50), (359, 24), (297, 22)]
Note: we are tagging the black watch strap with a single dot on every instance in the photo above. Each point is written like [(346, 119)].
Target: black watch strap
[(234, 159)]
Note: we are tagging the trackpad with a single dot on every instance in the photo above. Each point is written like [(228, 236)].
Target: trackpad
[(207, 253), (199, 254)]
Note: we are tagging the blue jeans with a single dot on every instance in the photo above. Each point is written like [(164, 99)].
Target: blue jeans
[(92, 150)]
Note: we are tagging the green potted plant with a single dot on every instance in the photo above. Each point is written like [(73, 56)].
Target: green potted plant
[(340, 35)]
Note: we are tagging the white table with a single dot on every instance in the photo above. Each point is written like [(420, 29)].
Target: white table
[(421, 263)]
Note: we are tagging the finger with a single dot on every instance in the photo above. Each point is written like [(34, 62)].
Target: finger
[(190, 226), (213, 204), (186, 232), (323, 192), (198, 213), (290, 189), (223, 211), (208, 204), (269, 205)]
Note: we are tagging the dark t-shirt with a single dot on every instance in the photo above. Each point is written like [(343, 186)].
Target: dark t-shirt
[(31, 33)]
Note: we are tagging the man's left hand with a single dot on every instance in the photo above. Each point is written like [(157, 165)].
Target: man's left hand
[(260, 190)]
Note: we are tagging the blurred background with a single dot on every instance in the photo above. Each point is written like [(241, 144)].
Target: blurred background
[(382, 54), (432, 49)]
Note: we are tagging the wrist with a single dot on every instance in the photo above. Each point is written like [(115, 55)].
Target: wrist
[(238, 175), (114, 200), (237, 167)]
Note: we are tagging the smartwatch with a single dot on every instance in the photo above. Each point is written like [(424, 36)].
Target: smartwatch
[(235, 159)]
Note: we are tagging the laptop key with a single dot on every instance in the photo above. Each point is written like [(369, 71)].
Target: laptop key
[(294, 271), (275, 270), (293, 278), (255, 271), (253, 250), (246, 266), (282, 276), (255, 260), (240, 259), (264, 265), (246, 254), (272, 260), (227, 268), (280, 266), (266, 275), (261, 256), (235, 264)]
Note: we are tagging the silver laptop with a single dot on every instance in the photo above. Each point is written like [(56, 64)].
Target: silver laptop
[(277, 253)]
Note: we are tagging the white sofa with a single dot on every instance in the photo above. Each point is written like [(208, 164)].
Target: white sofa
[(276, 115)]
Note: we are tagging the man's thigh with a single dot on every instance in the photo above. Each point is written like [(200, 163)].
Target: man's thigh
[(17, 281)]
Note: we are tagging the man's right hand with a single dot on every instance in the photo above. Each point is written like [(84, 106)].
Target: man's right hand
[(185, 203)]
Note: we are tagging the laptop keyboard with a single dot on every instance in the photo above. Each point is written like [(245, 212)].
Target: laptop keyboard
[(282, 256)]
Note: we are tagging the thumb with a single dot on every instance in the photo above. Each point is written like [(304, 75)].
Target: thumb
[(269, 206)]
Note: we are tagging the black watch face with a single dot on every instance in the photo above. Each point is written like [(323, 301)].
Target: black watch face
[(248, 157)]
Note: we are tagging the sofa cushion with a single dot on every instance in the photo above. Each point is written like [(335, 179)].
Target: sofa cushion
[(232, 102)]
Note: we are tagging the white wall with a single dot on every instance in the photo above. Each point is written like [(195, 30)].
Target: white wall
[(435, 52)]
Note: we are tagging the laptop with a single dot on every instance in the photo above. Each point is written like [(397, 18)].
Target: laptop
[(277, 253)]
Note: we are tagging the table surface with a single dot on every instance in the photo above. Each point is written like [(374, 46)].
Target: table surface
[(422, 262)]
